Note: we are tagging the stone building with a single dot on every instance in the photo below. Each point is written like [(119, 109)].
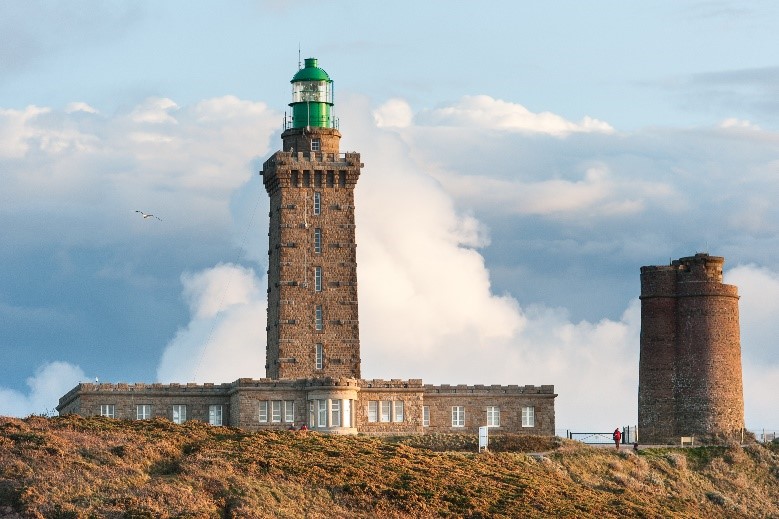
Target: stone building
[(313, 341), (690, 361)]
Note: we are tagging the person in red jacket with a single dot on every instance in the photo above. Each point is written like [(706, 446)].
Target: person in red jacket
[(617, 437)]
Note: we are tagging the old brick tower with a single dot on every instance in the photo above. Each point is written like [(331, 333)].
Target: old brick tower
[(690, 362), (312, 277)]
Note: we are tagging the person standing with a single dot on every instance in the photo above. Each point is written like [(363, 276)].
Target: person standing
[(617, 437)]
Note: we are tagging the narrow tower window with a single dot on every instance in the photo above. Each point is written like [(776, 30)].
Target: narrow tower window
[(330, 179), (306, 179), (293, 179), (318, 320), (318, 240), (317, 179), (315, 144), (319, 357), (317, 202), (317, 279)]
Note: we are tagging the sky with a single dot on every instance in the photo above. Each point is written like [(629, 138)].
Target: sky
[(522, 160)]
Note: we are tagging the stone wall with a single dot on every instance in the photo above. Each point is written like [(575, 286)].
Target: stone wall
[(475, 399)]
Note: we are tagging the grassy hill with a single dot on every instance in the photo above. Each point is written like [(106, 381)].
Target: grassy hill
[(75, 467)]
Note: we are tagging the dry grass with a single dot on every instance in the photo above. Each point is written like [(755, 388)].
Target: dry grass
[(74, 467)]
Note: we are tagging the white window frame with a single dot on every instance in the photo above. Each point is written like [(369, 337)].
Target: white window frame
[(373, 411), (179, 413), (426, 416), (143, 411), (317, 279), (493, 416), (108, 410), (275, 411), (319, 322), (335, 413), (458, 416), (316, 144), (319, 356), (397, 408), (289, 411), (317, 202), (528, 416), (263, 412), (317, 240), (321, 420), (385, 410), (215, 413), (346, 414), (312, 413)]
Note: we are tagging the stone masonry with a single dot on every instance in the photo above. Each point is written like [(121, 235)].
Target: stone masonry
[(690, 361)]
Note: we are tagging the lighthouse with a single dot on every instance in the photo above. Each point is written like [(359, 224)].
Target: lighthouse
[(313, 325)]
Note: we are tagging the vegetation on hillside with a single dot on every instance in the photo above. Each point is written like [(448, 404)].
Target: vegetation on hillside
[(75, 467)]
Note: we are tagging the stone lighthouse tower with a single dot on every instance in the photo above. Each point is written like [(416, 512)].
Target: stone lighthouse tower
[(690, 363), (312, 276)]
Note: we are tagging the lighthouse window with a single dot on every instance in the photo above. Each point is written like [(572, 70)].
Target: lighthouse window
[(306, 179), (315, 144), (317, 279), (317, 202), (318, 320), (342, 178), (330, 178), (317, 240), (317, 179), (319, 357)]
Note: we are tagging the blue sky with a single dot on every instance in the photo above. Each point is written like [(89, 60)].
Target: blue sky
[(541, 152)]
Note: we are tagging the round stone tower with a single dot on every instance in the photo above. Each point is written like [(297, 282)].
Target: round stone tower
[(690, 362)]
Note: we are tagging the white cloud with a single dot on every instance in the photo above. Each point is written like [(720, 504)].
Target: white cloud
[(483, 111), (393, 113), (46, 386), (225, 338)]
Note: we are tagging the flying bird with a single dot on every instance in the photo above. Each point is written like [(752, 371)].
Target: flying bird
[(148, 215)]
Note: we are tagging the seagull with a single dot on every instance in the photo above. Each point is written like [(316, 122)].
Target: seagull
[(148, 215)]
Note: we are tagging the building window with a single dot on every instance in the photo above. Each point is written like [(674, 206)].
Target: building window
[(317, 202), (317, 179), (342, 178), (347, 413), (315, 144), (317, 240), (179, 413), (493, 416), (143, 412), (289, 411), (330, 179), (458, 416), (398, 414), (311, 413), (294, 180), (385, 407), (335, 413), (318, 320), (306, 179), (107, 410), (426, 416), (275, 413), (528, 417), (373, 411), (319, 357), (317, 279), (215, 415), (263, 411), (322, 418)]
